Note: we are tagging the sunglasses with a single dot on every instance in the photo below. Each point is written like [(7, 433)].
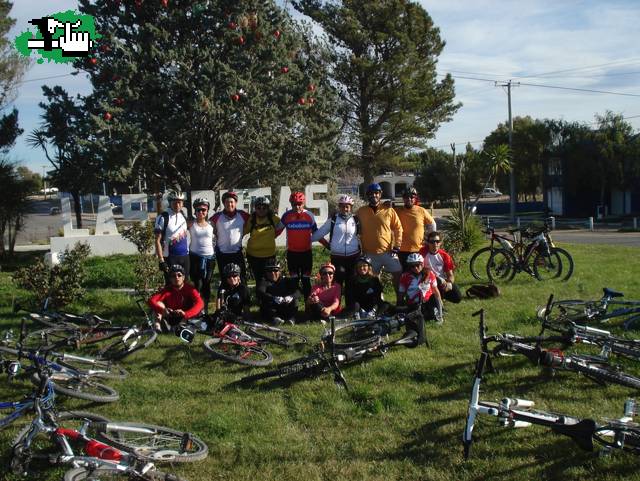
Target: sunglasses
[(261, 206), (176, 274), (273, 271), (296, 204), (233, 275), (434, 241), (201, 210), (326, 273)]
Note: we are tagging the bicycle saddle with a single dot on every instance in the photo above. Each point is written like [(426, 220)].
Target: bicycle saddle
[(611, 293)]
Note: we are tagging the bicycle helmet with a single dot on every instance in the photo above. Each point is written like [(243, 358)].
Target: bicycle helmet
[(375, 187), (230, 269), (345, 199), (327, 266), (296, 197), (262, 200), (273, 265), (177, 268), (201, 201), (175, 195), (415, 258), (410, 192), (230, 194), (364, 260)]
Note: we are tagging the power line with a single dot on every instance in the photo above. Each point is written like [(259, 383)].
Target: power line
[(587, 67), (74, 73), (580, 90)]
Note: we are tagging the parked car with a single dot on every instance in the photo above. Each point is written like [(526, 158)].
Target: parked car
[(490, 192), (54, 211)]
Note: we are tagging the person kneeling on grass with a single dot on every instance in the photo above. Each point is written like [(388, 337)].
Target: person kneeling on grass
[(363, 294), (177, 302), (277, 295), (233, 293), (324, 300), (419, 289)]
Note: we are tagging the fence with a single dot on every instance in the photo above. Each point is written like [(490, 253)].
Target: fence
[(560, 222)]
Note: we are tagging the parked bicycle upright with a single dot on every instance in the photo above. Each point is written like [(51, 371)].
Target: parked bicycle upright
[(530, 250)]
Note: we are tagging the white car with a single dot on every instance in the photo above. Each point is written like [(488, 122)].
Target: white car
[(490, 192)]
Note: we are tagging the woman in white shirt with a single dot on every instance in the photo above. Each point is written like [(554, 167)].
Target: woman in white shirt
[(201, 250)]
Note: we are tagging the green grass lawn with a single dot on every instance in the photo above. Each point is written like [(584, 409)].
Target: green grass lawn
[(404, 415)]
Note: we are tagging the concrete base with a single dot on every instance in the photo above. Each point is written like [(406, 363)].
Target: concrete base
[(102, 245)]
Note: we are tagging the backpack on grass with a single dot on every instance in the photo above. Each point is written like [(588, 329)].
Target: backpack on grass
[(483, 291)]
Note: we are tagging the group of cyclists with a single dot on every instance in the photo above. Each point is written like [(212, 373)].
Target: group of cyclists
[(403, 241)]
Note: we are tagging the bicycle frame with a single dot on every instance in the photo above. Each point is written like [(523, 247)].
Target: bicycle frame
[(518, 413)]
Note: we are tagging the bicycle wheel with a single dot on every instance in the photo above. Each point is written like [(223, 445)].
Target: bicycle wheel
[(619, 435), (567, 263), (51, 337), (604, 373), (275, 335), (355, 334), (234, 352), (132, 341), (547, 267), (501, 266), (81, 388), (478, 263), (152, 443), (106, 474)]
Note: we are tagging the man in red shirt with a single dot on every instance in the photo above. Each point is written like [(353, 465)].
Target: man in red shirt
[(176, 302), (442, 266)]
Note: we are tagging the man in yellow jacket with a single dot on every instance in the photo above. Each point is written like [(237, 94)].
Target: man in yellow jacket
[(416, 223), (381, 234)]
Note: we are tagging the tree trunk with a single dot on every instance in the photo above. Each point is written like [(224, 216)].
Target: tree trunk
[(77, 208)]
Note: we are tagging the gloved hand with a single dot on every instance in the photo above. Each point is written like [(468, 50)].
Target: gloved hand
[(278, 299), (288, 299), (164, 267)]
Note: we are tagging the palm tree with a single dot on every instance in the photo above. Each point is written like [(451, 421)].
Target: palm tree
[(498, 159)]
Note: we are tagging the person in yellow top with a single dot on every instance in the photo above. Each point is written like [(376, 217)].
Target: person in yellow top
[(263, 226), (416, 224), (381, 234)]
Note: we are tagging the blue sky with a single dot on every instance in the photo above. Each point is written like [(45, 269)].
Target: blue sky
[(589, 45)]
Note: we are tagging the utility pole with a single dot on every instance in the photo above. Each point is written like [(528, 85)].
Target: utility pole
[(459, 165), (512, 178)]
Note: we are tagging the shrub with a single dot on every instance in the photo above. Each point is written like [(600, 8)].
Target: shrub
[(147, 276), (62, 283), (458, 240)]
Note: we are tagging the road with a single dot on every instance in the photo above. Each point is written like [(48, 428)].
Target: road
[(39, 226)]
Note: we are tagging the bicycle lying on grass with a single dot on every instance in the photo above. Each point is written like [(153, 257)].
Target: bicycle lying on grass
[(96, 448), (620, 433), (235, 340), (69, 380), (602, 310), (596, 368), (349, 343), (529, 250), (572, 333), (71, 331)]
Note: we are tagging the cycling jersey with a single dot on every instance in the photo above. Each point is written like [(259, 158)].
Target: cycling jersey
[(410, 284), (300, 226), (229, 230), (262, 236), (344, 241), (440, 262), (328, 295), (416, 221), (176, 242), (186, 298)]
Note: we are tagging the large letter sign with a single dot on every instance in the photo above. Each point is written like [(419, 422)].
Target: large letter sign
[(107, 240)]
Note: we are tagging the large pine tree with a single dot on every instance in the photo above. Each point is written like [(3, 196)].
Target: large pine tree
[(384, 64), (208, 93)]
